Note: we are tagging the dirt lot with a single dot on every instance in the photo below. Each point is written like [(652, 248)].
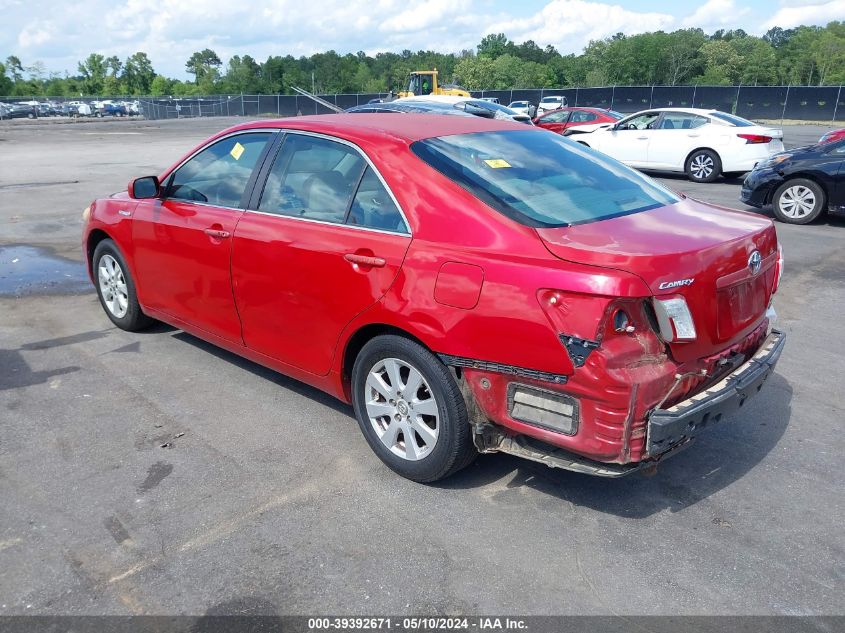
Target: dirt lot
[(270, 501)]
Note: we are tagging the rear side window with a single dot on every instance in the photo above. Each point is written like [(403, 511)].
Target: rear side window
[(682, 121), (219, 174), (320, 179), (373, 207), (312, 178), (584, 116), (732, 119), (541, 179)]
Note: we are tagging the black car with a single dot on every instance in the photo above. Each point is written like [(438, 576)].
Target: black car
[(800, 183), (20, 111)]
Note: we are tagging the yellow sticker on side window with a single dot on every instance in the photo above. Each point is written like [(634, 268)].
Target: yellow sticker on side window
[(497, 163), (237, 150)]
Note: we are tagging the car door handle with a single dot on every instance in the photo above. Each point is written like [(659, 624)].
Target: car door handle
[(642, 138), (218, 233), (365, 260), (693, 135)]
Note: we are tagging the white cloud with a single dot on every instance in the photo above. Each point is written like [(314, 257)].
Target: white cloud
[(34, 35), (716, 14), (569, 25), (60, 34), (792, 14)]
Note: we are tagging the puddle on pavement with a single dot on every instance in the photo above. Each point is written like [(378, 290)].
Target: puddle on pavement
[(29, 270)]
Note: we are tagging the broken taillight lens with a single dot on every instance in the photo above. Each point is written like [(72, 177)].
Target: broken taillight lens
[(674, 319)]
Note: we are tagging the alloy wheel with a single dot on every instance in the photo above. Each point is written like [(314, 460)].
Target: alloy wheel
[(113, 287), (701, 166), (402, 409)]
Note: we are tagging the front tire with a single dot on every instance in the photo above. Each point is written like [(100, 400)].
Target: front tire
[(703, 165), (116, 289), (410, 409), (798, 201)]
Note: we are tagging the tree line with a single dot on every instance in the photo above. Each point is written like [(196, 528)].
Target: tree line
[(805, 55)]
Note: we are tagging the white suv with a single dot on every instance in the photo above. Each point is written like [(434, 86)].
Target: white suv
[(547, 104)]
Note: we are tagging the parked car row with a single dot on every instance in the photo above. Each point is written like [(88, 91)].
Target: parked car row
[(36, 109)]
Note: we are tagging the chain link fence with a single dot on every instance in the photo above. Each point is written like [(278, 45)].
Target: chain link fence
[(801, 103)]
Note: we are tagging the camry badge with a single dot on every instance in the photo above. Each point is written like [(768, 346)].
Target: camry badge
[(666, 285), (755, 261)]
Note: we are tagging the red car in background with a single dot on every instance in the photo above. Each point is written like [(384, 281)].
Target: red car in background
[(833, 135), (568, 120), (468, 285)]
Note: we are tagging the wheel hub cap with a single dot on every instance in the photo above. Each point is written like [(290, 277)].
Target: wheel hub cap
[(797, 202)]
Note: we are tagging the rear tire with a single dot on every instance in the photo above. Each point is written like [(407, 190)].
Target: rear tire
[(798, 201), (703, 165), (410, 409), (116, 289)]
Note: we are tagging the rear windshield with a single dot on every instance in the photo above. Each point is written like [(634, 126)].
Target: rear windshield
[(738, 121), (541, 179)]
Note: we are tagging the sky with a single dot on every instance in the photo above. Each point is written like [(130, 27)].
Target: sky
[(60, 33)]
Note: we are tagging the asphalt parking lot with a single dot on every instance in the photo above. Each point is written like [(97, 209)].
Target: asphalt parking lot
[(267, 499)]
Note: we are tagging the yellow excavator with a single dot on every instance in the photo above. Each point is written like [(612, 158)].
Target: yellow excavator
[(424, 82)]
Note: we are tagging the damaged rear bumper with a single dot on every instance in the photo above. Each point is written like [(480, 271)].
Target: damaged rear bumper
[(678, 424)]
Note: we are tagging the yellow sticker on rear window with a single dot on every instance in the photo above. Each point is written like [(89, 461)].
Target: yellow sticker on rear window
[(497, 163), (237, 150)]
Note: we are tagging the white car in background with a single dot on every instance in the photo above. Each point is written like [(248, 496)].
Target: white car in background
[(553, 102), (700, 143), (523, 107)]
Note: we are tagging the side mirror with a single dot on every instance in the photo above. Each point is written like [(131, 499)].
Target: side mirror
[(142, 188)]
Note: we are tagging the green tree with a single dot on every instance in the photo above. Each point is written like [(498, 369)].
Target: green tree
[(722, 64), (495, 45), (14, 68), (476, 73), (138, 74), (828, 52), (5, 82), (203, 65), (161, 86), (93, 72)]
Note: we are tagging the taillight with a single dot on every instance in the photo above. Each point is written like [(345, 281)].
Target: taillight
[(778, 269), (674, 319), (755, 139)]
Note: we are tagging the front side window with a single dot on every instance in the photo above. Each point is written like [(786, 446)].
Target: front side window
[(556, 117), (219, 173), (641, 122), (541, 179)]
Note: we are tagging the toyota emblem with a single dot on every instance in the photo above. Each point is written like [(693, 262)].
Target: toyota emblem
[(755, 260)]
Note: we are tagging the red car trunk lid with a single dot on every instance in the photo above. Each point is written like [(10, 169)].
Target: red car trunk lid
[(704, 253)]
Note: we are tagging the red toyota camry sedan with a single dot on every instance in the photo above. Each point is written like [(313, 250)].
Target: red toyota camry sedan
[(468, 285)]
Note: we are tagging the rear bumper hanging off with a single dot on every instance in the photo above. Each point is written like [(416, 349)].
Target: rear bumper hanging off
[(667, 428)]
